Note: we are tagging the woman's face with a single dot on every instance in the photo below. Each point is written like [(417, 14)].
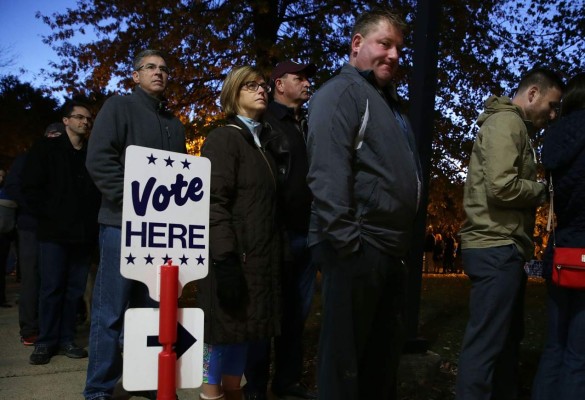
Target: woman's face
[(253, 99)]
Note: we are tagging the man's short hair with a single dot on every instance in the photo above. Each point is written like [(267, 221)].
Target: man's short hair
[(542, 77), (368, 20), (137, 63), (55, 127), (70, 105), (230, 91), (574, 97)]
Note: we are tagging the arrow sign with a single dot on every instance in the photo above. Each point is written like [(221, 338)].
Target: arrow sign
[(184, 341), (141, 348)]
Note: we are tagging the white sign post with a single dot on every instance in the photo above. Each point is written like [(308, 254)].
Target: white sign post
[(165, 216)]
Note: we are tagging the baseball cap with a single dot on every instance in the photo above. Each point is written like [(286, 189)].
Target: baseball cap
[(291, 67)]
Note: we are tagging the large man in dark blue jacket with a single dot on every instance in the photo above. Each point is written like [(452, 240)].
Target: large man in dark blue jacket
[(365, 178), (139, 119)]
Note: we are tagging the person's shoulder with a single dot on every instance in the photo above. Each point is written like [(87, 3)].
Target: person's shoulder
[(223, 132), (118, 98), (508, 117), (342, 81)]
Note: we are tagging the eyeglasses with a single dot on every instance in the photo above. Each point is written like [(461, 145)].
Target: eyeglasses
[(153, 67), (253, 86), (81, 118)]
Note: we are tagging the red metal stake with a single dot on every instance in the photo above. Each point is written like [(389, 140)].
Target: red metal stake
[(167, 358)]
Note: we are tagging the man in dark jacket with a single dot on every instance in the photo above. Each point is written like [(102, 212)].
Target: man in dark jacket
[(139, 119), (364, 174), (287, 144), (65, 202), (26, 227)]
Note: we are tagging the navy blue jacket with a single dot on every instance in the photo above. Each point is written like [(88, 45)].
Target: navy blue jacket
[(563, 155)]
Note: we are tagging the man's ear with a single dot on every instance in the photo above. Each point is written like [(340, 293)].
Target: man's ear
[(136, 77), (532, 93), (356, 43)]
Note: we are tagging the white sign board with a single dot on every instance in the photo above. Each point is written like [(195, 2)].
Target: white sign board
[(165, 216), (141, 348)]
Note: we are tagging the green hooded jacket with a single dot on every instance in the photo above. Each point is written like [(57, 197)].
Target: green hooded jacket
[(501, 191)]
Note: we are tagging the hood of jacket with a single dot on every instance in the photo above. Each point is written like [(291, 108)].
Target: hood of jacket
[(496, 104)]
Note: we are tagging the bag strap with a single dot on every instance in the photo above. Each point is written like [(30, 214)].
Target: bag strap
[(551, 211)]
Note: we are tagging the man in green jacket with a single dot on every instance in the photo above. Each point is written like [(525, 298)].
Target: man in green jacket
[(500, 200)]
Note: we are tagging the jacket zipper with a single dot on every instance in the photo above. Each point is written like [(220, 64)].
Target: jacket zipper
[(269, 167)]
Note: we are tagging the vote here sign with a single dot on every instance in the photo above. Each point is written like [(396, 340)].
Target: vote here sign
[(165, 216)]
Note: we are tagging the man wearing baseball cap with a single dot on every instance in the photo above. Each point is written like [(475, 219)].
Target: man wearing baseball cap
[(286, 116)]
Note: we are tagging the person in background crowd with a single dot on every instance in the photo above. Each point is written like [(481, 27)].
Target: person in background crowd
[(65, 202), (26, 226), (365, 177), (449, 253), (500, 199), (429, 247), (138, 119), (241, 293), (438, 251), (561, 372), (7, 224), (287, 143)]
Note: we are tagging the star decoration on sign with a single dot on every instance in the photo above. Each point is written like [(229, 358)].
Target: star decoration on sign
[(200, 259), (151, 159), (166, 258), (185, 164), (149, 259), (130, 259), (183, 259), (169, 162)]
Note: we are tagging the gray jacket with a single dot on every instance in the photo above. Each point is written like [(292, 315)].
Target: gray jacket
[(364, 170), (138, 119)]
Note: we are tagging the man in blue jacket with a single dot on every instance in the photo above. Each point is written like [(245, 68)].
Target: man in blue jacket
[(365, 178), (139, 119)]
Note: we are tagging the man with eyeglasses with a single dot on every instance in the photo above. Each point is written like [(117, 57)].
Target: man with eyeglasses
[(138, 119), (65, 202), (287, 144)]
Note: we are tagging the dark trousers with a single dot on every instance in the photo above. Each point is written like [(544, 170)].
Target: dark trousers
[(4, 250), (63, 270), (298, 288), (28, 302), (488, 364), (362, 332), (561, 371)]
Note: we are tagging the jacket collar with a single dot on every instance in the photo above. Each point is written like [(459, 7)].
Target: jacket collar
[(245, 131), (156, 103), (388, 91), (281, 111)]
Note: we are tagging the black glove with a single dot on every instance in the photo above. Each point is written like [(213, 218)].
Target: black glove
[(232, 290)]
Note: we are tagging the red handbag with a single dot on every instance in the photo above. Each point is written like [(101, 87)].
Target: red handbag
[(568, 269)]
